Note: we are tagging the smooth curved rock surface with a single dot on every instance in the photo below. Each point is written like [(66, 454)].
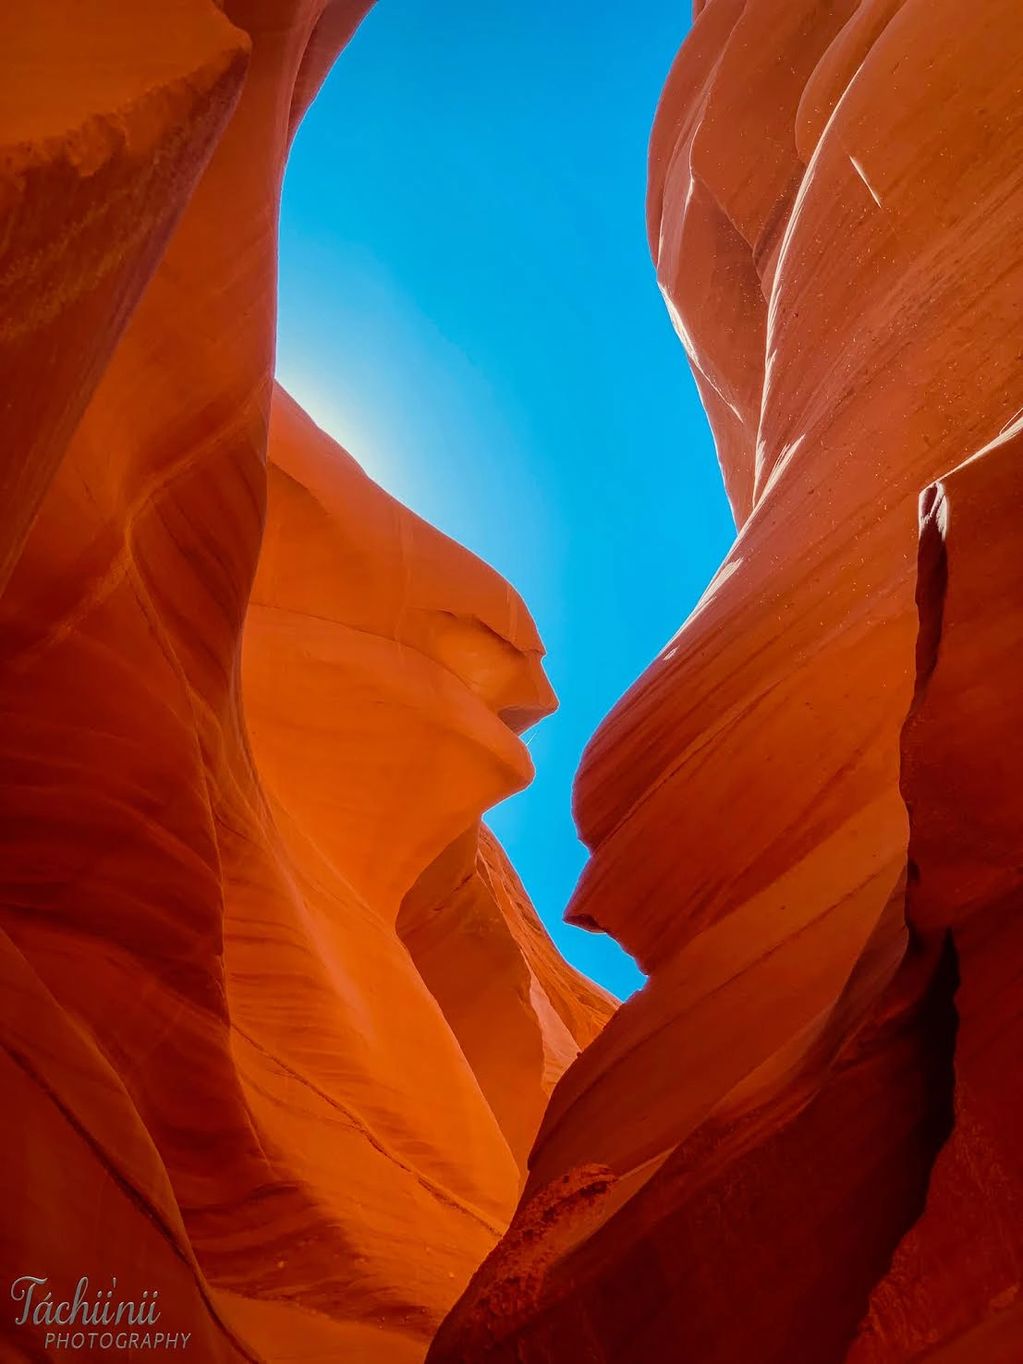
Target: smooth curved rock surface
[(235, 1082), (106, 121), (478, 942)]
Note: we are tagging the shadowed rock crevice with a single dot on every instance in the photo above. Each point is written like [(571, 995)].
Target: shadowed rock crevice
[(931, 583)]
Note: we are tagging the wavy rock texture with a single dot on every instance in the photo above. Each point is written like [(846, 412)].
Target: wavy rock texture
[(245, 1071), (477, 942), (279, 1023), (106, 120), (728, 1171)]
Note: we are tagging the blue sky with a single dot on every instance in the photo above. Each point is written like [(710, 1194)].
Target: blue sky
[(468, 305)]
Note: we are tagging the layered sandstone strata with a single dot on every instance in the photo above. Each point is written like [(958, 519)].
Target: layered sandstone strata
[(243, 1073), (728, 1172)]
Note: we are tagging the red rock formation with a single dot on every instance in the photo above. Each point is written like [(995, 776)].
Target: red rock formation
[(727, 1172), (237, 1085)]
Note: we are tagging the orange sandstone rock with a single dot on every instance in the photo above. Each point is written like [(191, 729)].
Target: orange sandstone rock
[(477, 942), (237, 1084), (742, 801), (106, 120), (278, 1020), (376, 643)]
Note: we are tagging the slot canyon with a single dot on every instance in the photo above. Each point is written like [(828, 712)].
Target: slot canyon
[(285, 1042)]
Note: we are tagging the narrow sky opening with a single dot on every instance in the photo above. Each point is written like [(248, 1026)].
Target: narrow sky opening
[(468, 305)]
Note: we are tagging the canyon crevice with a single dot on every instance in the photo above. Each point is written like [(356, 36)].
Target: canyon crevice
[(787, 1146), (283, 1036)]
